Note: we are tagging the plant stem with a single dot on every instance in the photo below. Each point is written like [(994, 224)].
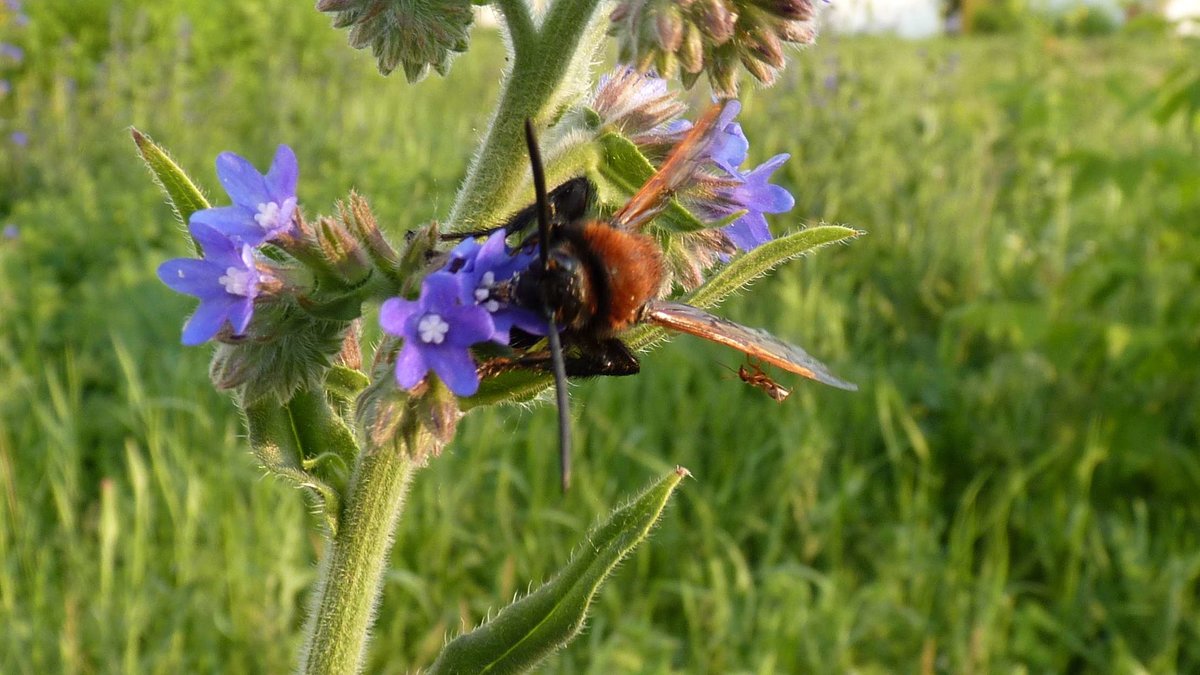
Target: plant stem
[(351, 570), (541, 60), (517, 20)]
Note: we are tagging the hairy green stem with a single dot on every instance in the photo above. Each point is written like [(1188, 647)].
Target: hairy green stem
[(351, 571), (518, 20), (542, 59)]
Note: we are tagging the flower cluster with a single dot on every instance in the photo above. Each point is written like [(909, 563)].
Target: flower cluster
[(460, 305), (642, 108), (412, 34), (230, 276), (689, 37), (748, 191)]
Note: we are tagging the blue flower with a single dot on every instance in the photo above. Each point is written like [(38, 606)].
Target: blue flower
[(483, 269), (729, 145), (438, 330), (19, 138), (750, 192), (226, 280), (263, 206), (11, 231), (757, 196), (12, 52)]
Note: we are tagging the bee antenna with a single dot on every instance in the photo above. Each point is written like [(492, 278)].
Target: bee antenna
[(556, 352)]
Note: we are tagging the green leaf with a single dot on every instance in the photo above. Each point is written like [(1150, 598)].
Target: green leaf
[(542, 622), (344, 384), (305, 443), (183, 195), (745, 269), (517, 386)]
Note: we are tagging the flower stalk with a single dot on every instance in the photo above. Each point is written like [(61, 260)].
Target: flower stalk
[(543, 58), (351, 571)]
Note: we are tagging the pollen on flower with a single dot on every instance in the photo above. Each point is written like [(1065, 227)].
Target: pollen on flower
[(483, 292), (268, 215), (239, 282), (432, 329)]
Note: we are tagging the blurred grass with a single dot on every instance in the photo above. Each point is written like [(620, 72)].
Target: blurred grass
[(1014, 487)]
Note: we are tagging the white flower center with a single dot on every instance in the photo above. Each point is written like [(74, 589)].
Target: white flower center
[(267, 216), (241, 282), (483, 292), (432, 329)]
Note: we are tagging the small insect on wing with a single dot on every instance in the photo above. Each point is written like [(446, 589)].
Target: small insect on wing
[(756, 343), (753, 375), (679, 167)]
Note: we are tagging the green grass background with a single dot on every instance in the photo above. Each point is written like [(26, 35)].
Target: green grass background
[(1016, 487)]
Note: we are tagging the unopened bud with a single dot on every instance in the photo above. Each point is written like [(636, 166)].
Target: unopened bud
[(418, 422), (722, 70), (350, 354), (691, 50), (355, 214), (715, 19), (761, 71), (757, 37), (669, 29), (792, 10), (413, 34), (798, 32), (342, 251)]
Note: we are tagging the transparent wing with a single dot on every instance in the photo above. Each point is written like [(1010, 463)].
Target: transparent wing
[(756, 343), (679, 167)]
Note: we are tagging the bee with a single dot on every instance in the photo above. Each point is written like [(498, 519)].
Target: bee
[(752, 374), (595, 278)]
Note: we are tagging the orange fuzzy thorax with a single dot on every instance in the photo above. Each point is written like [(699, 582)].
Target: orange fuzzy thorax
[(631, 268)]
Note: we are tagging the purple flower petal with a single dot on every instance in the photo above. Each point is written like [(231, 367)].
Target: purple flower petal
[(395, 313), (468, 325), (729, 148), (410, 365), (242, 181), (283, 175), (526, 319), (240, 313), (232, 221), (749, 231), (456, 368), (207, 321), (776, 199), (440, 291), (462, 256), (190, 276)]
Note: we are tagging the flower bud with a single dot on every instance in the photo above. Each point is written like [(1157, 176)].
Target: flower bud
[(357, 219), (342, 252), (412, 34), (792, 10), (392, 419), (285, 348), (669, 28), (686, 37)]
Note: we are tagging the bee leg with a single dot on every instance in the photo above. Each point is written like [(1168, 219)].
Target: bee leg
[(607, 358)]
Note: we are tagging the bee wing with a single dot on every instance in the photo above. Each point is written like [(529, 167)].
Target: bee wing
[(678, 168), (756, 343)]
